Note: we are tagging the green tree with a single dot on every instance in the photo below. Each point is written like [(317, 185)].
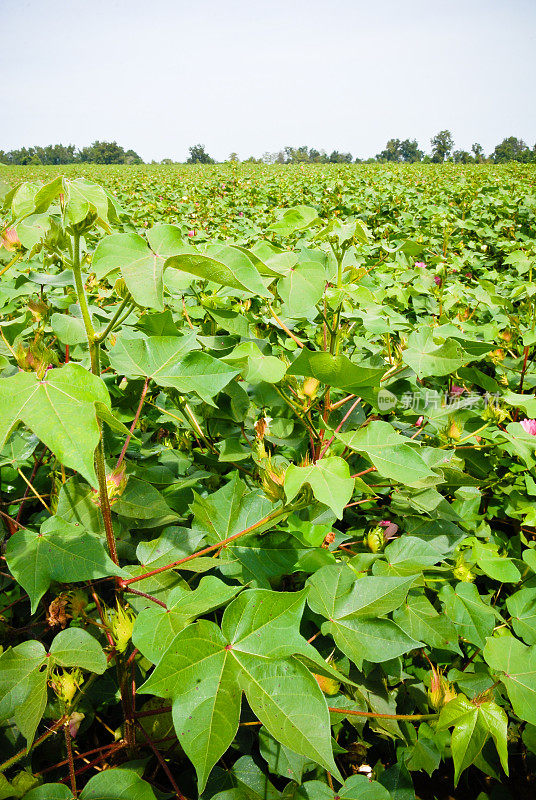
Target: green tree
[(511, 149), (442, 144), (198, 155), (392, 151), (478, 152), (462, 157), (409, 149)]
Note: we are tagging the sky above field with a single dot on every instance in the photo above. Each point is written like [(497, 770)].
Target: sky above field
[(251, 76)]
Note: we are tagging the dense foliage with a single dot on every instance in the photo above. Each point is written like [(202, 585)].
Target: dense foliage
[(267, 481)]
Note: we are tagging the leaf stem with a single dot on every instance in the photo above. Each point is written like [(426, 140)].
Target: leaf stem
[(282, 324), (351, 713), (134, 423), (69, 746), (279, 512), (100, 337)]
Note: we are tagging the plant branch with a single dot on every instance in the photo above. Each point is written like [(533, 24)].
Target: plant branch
[(134, 423), (280, 512)]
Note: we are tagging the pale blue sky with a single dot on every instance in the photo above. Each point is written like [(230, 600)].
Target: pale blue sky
[(159, 75)]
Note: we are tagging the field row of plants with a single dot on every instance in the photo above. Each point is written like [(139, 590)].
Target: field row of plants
[(267, 473)]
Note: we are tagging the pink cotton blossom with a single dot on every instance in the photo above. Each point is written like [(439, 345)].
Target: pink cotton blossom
[(191, 233), (455, 389), (419, 265), (10, 239), (419, 422), (438, 280), (390, 528), (240, 213), (529, 426)]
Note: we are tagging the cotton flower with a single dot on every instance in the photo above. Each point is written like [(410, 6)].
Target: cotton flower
[(438, 280), (10, 239), (529, 426), (454, 389), (419, 265), (191, 233), (389, 528), (419, 422)]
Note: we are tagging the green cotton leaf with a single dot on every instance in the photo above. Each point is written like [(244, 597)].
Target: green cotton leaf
[(82, 197), (406, 555), (365, 639), (76, 504), (60, 410), (23, 686), (500, 568), (25, 670), (421, 621), (287, 699), (171, 361), (117, 784), (204, 670), (280, 759), (231, 509), (354, 606), (49, 791), (390, 453), (254, 366), (356, 787), (517, 663), (165, 240), (264, 623), (265, 557), (141, 269), (75, 647), (302, 288), (426, 358), (69, 330), (200, 675), (473, 618), (329, 479), (294, 219), (473, 724), (59, 552), (222, 264), (337, 371), (522, 607), (155, 627), (141, 500)]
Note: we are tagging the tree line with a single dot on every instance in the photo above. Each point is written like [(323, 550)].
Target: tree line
[(396, 151), (96, 153)]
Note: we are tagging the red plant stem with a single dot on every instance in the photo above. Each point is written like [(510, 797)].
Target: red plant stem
[(339, 403), (178, 794), (153, 712), (147, 597), (273, 515), (339, 426), (360, 502), (103, 620), (134, 423), (364, 472), (66, 353), (68, 744), (111, 746), (523, 370), (98, 760), (351, 713), (17, 757)]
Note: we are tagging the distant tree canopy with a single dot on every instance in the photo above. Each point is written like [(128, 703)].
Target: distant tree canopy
[(513, 149), (401, 150), (96, 153), (396, 151), (198, 155)]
